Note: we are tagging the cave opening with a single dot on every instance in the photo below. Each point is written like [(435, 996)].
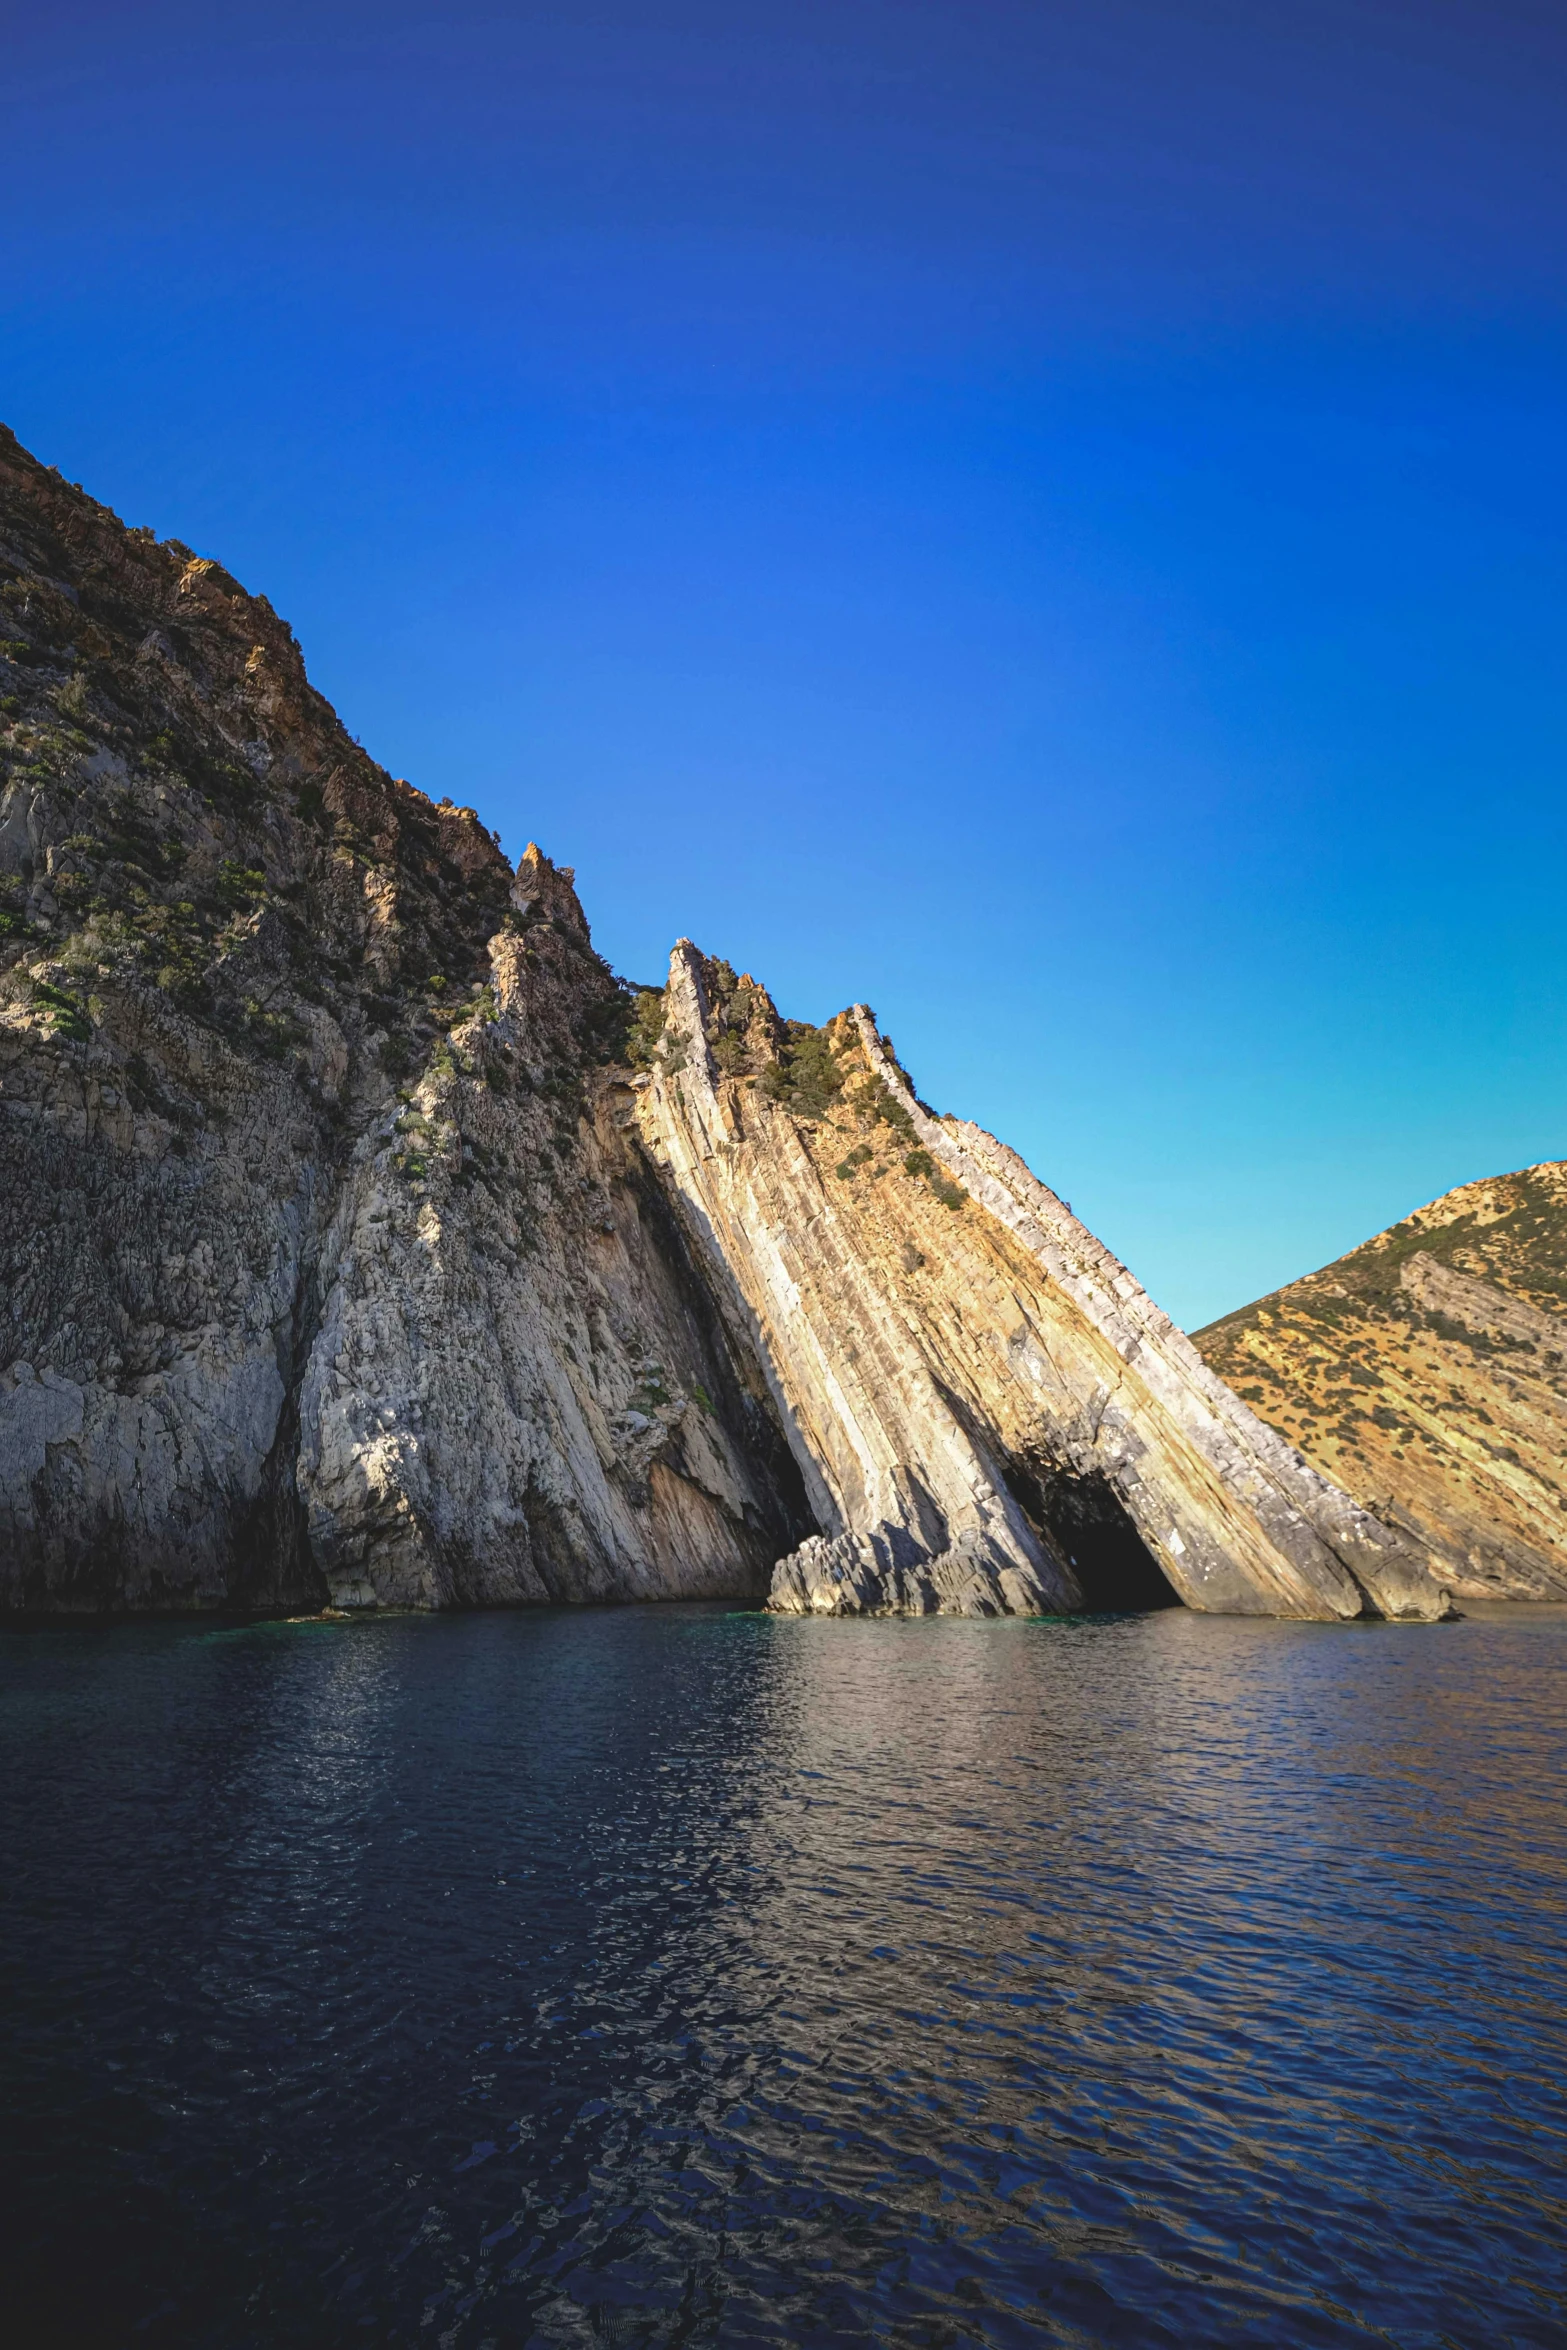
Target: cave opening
[(1085, 1517)]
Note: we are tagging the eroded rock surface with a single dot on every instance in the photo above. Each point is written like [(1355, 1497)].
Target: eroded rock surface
[(333, 1267), (367, 1242), (989, 1413)]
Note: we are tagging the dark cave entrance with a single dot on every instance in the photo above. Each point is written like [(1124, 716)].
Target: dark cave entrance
[(1086, 1518)]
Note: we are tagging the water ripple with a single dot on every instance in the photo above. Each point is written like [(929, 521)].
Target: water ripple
[(679, 1976)]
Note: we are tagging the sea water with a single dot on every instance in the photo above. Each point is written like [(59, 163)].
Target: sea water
[(685, 1976)]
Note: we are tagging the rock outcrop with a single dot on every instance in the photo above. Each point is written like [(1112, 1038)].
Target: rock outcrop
[(990, 1415), (1427, 1373), (368, 1243), (333, 1270)]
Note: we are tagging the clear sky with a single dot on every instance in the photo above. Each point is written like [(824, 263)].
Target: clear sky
[(1046, 517)]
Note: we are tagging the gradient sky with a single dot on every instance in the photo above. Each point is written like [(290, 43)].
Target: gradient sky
[(1046, 517)]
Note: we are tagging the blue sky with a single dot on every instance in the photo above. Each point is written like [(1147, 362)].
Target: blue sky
[(1046, 517)]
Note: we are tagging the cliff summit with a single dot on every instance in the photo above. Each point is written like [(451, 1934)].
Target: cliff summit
[(369, 1243)]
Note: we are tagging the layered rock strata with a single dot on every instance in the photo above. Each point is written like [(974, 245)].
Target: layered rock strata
[(333, 1271), (368, 1243), (1427, 1373), (990, 1415)]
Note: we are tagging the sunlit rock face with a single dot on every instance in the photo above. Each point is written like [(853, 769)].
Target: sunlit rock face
[(368, 1243), (989, 1413), (1427, 1372)]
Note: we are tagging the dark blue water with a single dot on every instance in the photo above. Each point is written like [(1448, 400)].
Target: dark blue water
[(680, 1976)]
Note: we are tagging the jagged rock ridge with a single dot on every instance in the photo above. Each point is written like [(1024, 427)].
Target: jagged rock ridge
[(371, 1244), (332, 1270), (1427, 1373), (988, 1411)]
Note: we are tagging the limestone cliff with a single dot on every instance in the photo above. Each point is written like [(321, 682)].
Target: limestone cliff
[(1427, 1372), (331, 1268), (988, 1411), (368, 1243)]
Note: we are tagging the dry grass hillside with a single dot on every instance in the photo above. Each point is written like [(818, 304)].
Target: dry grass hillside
[(1427, 1373)]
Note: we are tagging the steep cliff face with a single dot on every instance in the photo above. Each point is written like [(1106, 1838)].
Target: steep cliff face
[(367, 1242), (1427, 1372), (333, 1269), (989, 1413)]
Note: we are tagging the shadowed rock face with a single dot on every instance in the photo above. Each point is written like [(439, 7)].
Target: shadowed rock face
[(333, 1269), (1427, 1372), (368, 1243)]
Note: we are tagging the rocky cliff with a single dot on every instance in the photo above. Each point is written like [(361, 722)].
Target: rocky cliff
[(332, 1268), (990, 1414), (368, 1243), (1427, 1373)]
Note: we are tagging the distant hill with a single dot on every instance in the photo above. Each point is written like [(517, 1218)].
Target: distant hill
[(1426, 1372)]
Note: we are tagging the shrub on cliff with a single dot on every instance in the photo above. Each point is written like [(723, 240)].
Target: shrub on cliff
[(733, 1001), (920, 1163), (66, 1016), (874, 1100), (627, 1025), (805, 1078)]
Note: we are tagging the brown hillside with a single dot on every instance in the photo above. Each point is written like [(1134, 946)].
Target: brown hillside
[(1427, 1373)]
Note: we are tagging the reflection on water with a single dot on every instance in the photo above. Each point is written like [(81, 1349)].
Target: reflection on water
[(680, 1976)]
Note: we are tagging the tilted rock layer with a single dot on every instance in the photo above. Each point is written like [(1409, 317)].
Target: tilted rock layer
[(1427, 1372), (333, 1267), (368, 1243), (989, 1412)]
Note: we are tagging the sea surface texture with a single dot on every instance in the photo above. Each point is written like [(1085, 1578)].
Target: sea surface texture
[(680, 1975)]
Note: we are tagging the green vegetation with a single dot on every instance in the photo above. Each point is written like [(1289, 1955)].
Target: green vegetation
[(646, 1026), (806, 1077), (238, 887), (219, 781), (920, 1163), (623, 1026), (273, 1034), (68, 1018), (874, 1100), (1512, 1230), (732, 1007)]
